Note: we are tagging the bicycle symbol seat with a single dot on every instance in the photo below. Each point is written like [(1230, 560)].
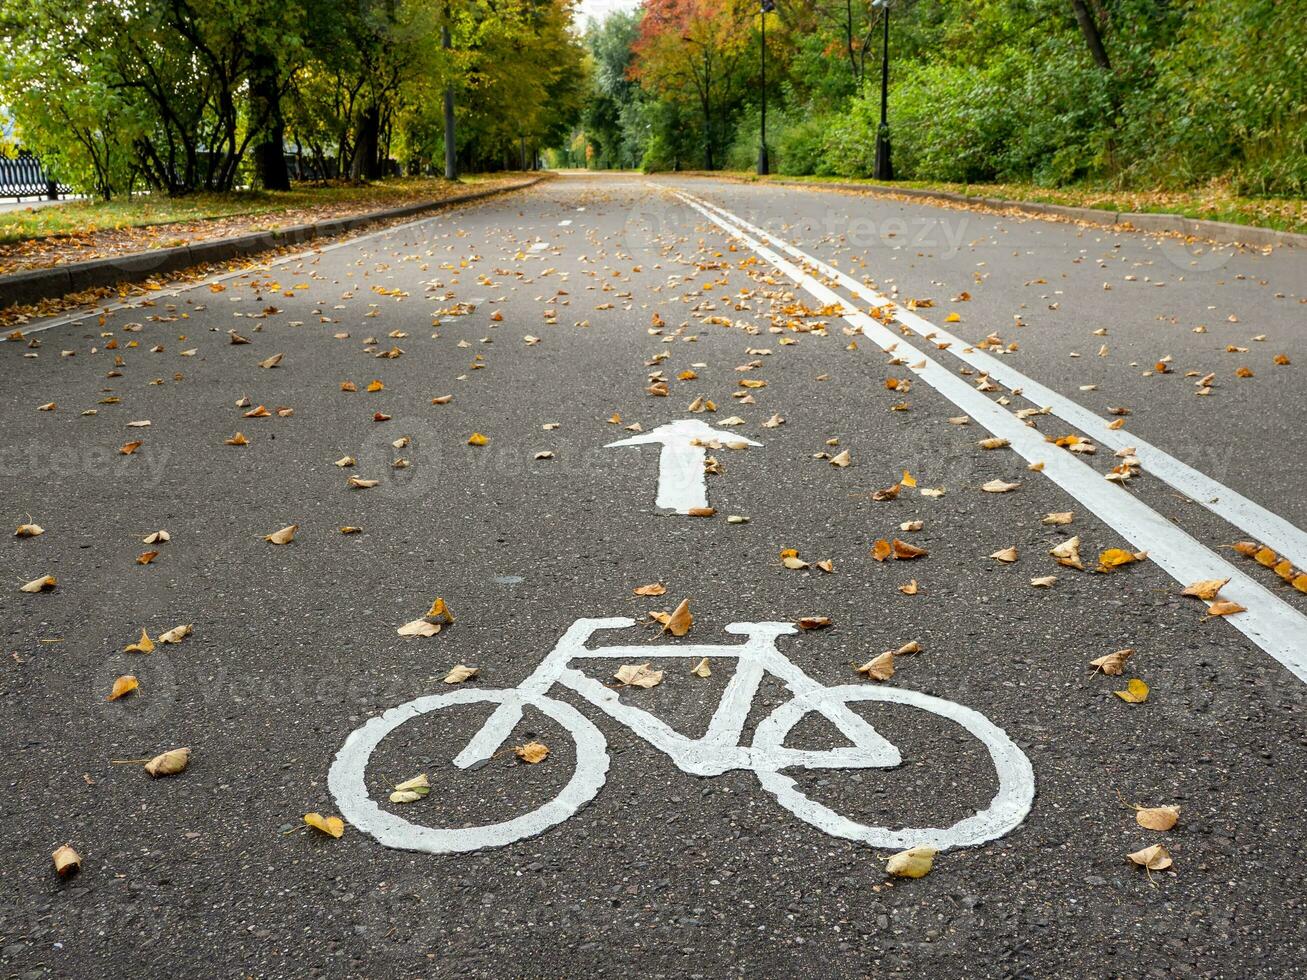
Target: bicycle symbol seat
[(718, 751)]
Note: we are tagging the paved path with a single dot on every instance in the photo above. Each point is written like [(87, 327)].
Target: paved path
[(553, 318)]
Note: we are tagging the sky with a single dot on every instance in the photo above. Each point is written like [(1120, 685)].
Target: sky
[(598, 8)]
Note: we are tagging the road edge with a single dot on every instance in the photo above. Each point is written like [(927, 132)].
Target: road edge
[(31, 286), (1222, 232)]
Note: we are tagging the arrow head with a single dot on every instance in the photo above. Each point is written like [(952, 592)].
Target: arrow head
[(682, 431)]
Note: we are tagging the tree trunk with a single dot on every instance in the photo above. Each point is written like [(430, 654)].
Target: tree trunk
[(451, 149), (365, 165), (1089, 28), (270, 171)]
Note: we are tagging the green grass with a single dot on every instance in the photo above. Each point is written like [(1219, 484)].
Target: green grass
[(85, 217), (1211, 203)]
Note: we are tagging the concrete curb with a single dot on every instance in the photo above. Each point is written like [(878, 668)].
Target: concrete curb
[(33, 285), (1167, 224)]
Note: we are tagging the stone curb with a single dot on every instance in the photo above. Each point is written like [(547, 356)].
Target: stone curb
[(33, 285), (1216, 231)]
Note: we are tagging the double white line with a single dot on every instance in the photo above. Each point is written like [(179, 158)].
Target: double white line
[(1271, 623)]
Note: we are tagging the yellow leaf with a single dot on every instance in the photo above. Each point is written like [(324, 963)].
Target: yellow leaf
[(532, 752), (1115, 557), (653, 588), (477, 439), (1136, 691), (28, 530), (143, 645), (915, 862), (440, 611), (908, 480), (1225, 607), (123, 685), (1205, 589), (331, 826)]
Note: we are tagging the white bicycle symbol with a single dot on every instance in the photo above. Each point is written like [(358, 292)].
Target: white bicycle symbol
[(718, 751)]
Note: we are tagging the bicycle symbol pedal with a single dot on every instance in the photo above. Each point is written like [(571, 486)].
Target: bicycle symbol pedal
[(718, 751)]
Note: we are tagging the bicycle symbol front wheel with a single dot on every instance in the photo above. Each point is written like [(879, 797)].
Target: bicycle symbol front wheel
[(347, 779), (1009, 807)]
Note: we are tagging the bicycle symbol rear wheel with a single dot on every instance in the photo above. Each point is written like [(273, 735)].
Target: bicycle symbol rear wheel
[(348, 783), (1009, 807)]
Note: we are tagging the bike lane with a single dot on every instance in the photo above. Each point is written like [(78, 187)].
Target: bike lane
[(663, 871)]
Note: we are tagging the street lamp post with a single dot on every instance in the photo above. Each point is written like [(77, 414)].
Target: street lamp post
[(884, 168), (763, 166)]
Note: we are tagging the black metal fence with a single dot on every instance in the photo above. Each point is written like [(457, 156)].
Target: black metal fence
[(23, 176)]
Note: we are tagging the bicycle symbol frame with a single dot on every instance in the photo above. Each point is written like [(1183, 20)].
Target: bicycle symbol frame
[(718, 751)]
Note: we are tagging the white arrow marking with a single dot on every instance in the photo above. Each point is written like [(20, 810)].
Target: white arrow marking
[(681, 483)]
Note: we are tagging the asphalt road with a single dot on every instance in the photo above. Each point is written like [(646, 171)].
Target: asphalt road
[(544, 314)]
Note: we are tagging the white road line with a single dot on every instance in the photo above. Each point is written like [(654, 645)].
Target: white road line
[(1256, 521), (1269, 622)]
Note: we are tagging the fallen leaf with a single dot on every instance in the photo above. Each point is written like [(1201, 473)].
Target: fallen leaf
[(1205, 589), (994, 442), (1043, 581), (915, 862), (653, 588), (43, 584), (176, 634), (1136, 691), (358, 483), (532, 752), (411, 790), (477, 439), (1005, 555), (145, 557), (638, 675), (331, 826), (680, 621), (998, 486), (1113, 663), (881, 549), (285, 536), (143, 645), (169, 763), (1058, 517), (701, 669), (842, 460), (813, 622), (879, 668), (122, 686), (419, 627), (1225, 607), (271, 362), (1115, 558), (905, 551), (1068, 553), (237, 440), (909, 588), (28, 530), (67, 862), (1161, 818), (1153, 858)]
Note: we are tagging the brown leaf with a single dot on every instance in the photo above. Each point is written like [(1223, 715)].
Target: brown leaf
[(881, 549), (532, 752), (680, 621), (43, 584), (1153, 858), (904, 551), (653, 588), (1225, 607), (638, 675), (169, 763), (1157, 817), (1113, 663), (460, 673), (813, 623), (285, 536), (879, 668), (1007, 555), (910, 588), (67, 862)]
